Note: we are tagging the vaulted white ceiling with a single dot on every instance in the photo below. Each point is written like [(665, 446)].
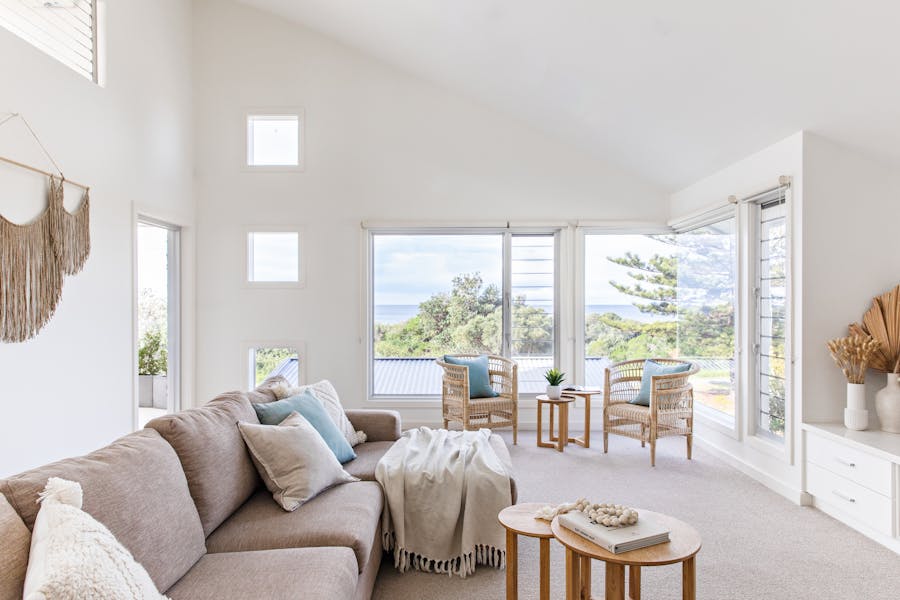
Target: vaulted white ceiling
[(671, 90)]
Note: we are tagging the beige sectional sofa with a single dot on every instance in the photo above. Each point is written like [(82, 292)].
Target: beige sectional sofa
[(184, 497)]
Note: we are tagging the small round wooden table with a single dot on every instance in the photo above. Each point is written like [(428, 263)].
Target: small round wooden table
[(562, 435), (683, 546), (519, 520)]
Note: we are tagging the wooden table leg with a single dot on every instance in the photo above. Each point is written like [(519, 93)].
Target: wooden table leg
[(563, 427), (545, 569), (585, 578), (573, 577), (540, 424), (634, 582), (615, 581), (512, 565), (553, 438), (587, 421), (689, 579)]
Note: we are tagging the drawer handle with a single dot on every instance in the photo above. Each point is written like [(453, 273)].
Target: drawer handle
[(843, 496), (846, 463)]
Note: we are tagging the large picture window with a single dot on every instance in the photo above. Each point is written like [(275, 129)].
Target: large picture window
[(707, 280), (442, 293), (666, 295), (630, 285)]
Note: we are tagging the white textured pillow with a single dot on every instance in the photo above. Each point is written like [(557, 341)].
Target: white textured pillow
[(293, 460), (328, 396), (74, 556)]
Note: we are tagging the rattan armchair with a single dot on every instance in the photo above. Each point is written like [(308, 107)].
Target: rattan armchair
[(475, 413), (671, 410)]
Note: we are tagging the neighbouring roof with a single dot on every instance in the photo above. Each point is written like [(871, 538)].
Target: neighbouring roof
[(422, 376)]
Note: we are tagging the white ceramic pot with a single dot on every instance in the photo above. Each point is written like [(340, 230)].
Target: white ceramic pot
[(887, 404), (856, 416), (554, 392), (856, 396)]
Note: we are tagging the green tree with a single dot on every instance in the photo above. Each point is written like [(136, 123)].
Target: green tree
[(468, 318), (152, 353)]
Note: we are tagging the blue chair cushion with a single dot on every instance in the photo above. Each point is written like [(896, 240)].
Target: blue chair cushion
[(652, 368), (479, 376)]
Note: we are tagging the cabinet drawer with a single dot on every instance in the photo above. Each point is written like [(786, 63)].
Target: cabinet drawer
[(857, 466), (852, 499)]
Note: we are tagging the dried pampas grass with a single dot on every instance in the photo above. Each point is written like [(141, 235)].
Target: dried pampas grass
[(882, 322), (852, 354)]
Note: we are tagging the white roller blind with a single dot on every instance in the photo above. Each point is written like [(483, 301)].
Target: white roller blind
[(64, 29)]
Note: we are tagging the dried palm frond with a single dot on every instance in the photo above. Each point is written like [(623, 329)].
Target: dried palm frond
[(852, 355), (882, 322)]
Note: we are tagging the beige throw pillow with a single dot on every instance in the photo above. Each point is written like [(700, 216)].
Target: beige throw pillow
[(293, 460), (325, 393), (74, 556)]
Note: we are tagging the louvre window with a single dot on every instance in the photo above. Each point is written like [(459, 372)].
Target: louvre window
[(771, 316), (64, 29)]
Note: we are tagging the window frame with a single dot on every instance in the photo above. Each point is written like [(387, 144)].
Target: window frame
[(301, 257), (248, 368), (367, 320), (274, 111)]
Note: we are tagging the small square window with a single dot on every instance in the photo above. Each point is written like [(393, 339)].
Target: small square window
[(269, 361), (273, 141), (273, 257)]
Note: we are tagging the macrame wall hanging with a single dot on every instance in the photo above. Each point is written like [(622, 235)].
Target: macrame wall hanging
[(35, 257)]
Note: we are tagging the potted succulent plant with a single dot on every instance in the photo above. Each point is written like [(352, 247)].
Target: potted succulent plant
[(554, 379)]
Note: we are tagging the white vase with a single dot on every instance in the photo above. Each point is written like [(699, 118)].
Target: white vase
[(887, 404), (856, 416), (554, 392)]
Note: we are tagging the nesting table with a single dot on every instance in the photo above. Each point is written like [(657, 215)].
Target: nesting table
[(519, 520), (683, 546), (561, 438)]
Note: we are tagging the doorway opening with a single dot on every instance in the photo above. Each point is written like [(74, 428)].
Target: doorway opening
[(158, 319)]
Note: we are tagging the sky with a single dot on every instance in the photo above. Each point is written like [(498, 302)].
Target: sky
[(410, 269), (152, 261)]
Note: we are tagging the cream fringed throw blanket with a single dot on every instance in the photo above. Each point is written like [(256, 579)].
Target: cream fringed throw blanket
[(443, 490)]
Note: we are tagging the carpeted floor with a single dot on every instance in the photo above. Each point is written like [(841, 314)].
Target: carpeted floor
[(756, 544)]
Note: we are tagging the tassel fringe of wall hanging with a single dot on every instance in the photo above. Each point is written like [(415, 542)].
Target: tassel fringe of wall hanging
[(34, 257)]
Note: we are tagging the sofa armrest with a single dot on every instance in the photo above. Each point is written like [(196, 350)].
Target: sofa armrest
[(379, 425)]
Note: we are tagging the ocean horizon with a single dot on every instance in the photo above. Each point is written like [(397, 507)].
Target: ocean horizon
[(390, 314)]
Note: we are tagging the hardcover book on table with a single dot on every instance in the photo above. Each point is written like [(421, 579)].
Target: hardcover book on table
[(616, 539)]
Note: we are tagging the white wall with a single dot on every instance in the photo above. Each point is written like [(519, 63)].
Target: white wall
[(69, 390), (851, 226), (380, 144)]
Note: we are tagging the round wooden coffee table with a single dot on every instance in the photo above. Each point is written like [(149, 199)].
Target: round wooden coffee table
[(519, 520), (683, 546)]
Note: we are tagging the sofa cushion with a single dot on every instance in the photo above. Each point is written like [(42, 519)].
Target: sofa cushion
[(220, 472), (16, 541), (367, 456), (284, 574), (346, 515), (134, 486)]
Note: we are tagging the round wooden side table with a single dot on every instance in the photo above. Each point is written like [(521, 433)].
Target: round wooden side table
[(562, 435), (519, 520), (683, 545)]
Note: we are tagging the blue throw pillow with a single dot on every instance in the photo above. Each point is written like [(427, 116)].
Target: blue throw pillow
[(273, 413), (479, 377), (652, 368)]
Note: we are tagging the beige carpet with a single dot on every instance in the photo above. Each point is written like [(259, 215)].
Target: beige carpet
[(756, 544)]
